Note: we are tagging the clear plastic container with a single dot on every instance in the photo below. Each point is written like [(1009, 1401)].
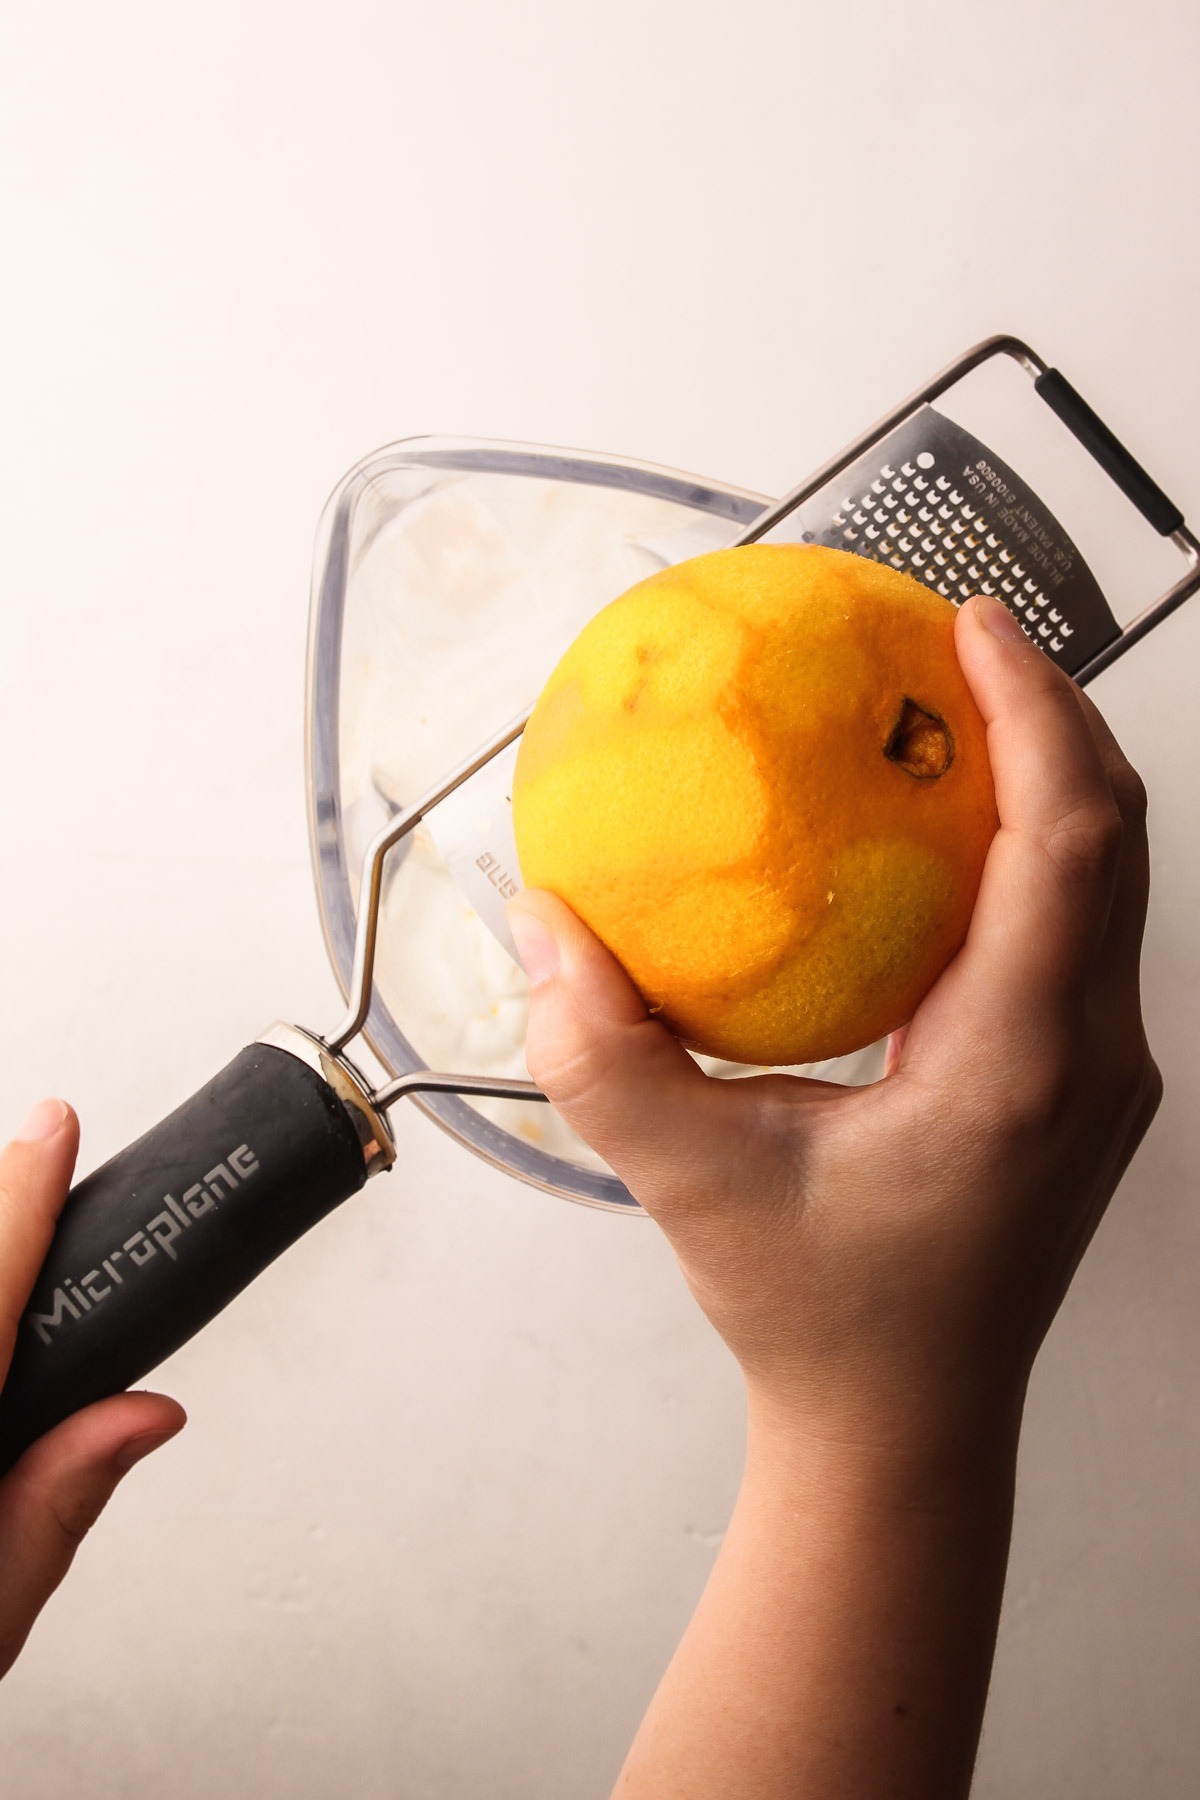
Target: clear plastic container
[(449, 577)]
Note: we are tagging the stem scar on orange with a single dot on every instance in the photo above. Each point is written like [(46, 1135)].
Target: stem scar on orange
[(761, 779)]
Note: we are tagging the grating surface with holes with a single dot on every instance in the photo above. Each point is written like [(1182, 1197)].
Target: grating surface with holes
[(932, 500)]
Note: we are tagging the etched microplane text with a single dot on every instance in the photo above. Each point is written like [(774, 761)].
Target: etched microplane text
[(160, 1235)]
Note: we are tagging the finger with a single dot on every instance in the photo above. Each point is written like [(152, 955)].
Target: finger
[(56, 1492), (615, 1074), (1048, 882), (1122, 776), (35, 1175), (1122, 951)]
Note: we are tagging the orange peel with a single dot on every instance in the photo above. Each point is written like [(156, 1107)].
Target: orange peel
[(761, 779)]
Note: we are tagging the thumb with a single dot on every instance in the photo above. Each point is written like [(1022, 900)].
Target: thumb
[(615, 1074), (56, 1492)]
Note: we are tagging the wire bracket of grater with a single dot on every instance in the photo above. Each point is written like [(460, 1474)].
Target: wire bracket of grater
[(936, 503)]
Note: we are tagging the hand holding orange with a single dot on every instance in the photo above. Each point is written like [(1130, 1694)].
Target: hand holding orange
[(761, 779)]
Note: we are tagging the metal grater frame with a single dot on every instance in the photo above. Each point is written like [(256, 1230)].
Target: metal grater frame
[(996, 524)]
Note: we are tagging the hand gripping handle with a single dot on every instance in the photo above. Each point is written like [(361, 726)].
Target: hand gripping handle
[(153, 1244)]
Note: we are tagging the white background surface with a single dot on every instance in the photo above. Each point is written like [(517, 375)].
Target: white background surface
[(456, 1469)]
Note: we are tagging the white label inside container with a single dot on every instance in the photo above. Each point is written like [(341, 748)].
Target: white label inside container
[(473, 831)]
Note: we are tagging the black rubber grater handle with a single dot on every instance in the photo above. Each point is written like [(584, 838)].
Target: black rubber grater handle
[(1109, 452), (163, 1236)]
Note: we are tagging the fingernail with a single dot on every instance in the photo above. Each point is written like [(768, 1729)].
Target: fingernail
[(140, 1446), (535, 946), (995, 617), (45, 1119)]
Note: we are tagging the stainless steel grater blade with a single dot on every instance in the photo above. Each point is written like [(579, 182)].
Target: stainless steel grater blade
[(934, 502)]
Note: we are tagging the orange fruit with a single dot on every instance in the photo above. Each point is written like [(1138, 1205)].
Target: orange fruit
[(761, 779)]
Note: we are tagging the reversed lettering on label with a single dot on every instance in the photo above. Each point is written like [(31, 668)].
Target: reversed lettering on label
[(472, 829), (505, 886)]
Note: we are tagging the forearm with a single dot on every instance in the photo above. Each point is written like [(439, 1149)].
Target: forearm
[(844, 1642)]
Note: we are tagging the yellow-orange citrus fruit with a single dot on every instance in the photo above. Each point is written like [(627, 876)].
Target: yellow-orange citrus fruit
[(761, 779)]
